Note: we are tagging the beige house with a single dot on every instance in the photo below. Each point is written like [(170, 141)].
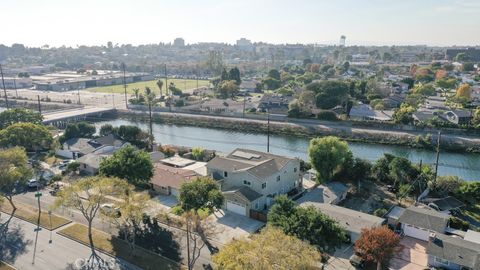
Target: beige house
[(251, 179)]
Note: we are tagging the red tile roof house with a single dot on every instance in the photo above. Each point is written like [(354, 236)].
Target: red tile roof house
[(167, 179)]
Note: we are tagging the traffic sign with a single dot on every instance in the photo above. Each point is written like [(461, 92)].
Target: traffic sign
[(38, 194)]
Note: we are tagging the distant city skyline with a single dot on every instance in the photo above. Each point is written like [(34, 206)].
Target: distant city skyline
[(373, 22)]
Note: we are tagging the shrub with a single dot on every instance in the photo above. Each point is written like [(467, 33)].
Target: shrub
[(327, 115), (380, 212), (459, 224)]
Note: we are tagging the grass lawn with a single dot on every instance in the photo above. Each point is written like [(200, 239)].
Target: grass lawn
[(30, 214), (179, 83), (4, 266), (119, 248)]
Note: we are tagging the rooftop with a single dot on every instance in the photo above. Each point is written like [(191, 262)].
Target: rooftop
[(244, 191), (325, 193), (165, 175), (352, 220), (257, 163), (177, 161), (456, 250), (425, 218)]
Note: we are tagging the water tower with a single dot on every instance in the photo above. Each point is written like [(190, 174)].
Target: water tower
[(342, 40)]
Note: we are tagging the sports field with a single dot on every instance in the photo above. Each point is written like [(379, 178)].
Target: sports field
[(184, 85)]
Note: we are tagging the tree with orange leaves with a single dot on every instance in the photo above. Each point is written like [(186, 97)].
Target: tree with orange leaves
[(464, 91), (378, 245)]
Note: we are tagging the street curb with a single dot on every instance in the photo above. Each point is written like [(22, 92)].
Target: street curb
[(9, 265), (24, 219)]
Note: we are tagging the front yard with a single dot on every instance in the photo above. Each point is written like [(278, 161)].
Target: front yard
[(30, 214), (118, 248)]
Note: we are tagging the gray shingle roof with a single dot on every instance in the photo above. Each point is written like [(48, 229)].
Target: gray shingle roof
[(456, 250), (444, 204), (249, 194), (353, 221), (425, 218), (257, 163)]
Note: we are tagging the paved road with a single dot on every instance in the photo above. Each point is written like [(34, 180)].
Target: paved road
[(18, 246), (47, 200)]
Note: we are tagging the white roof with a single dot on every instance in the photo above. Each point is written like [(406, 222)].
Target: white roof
[(472, 236), (177, 161)]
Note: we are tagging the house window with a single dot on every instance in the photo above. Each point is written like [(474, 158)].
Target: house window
[(248, 183), (84, 166), (278, 178), (441, 261), (264, 185), (225, 174), (295, 169)]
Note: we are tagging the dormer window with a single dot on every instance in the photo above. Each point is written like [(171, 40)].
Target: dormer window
[(225, 174), (264, 185), (278, 178)]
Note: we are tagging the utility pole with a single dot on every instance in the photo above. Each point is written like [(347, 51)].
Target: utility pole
[(166, 79), (268, 131), (244, 103), (39, 106), (4, 88), (125, 85), (188, 244), (439, 136), (78, 93), (15, 86)]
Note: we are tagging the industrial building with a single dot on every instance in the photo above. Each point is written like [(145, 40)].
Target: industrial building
[(67, 81)]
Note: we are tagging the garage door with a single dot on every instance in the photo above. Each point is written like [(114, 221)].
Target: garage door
[(174, 192), (236, 208), (415, 232)]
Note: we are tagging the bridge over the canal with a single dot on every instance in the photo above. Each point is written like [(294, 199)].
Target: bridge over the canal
[(61, 118)]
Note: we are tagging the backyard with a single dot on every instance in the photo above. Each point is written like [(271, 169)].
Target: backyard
[(184, 85)]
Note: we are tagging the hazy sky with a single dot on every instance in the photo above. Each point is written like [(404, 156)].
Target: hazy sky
[(89, 22)]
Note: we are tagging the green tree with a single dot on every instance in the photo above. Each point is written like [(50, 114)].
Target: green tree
[(273, 73), (234, 75), (446, 83), (271, 83), (19, 115), (270, 249), (381, 169), (476, 117), (30, 136), (469, 192), (327, 155), (106, 129), (202, 193), (306, 223), (130, 164), (198, 153), (78, 130), (446, 185), (404, 115), (14, 171), (227, 89), (329, 93), (467, 67), (87, 196), (401, 170), (425, 89), (133, 135)]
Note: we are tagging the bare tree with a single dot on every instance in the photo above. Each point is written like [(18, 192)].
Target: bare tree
[(87, 196)]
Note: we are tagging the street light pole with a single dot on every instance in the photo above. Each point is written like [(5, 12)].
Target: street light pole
[(125, 85), (4, 88)]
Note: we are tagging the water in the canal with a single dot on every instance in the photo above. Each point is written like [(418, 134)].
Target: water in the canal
[(465, 165)]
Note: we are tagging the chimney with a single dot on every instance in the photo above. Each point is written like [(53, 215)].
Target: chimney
[(431, 237)]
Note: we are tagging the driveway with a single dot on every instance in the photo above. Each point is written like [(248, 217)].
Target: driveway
[(413, 256), (229, 226), (164, 203), (340, 260)]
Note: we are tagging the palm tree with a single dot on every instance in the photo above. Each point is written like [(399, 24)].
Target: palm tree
[(150, 100), (160, 86), (136, 92)]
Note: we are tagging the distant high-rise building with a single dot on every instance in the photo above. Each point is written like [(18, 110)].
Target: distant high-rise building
[(244, 44), (342, 41), (179, 42)]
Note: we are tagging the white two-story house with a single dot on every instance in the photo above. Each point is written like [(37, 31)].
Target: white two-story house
[(251, 179)]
